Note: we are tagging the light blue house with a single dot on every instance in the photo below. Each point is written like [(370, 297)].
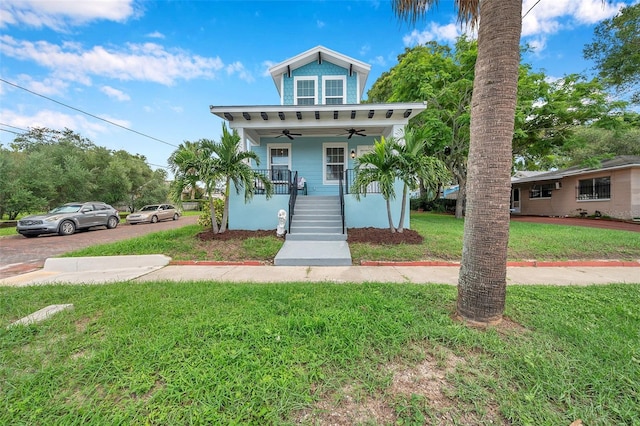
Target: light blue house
[(316, 133)]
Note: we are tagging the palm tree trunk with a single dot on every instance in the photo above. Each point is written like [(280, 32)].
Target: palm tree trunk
[(212, 211), (482, 280), (402, 210), (391, 227), (225, 212)]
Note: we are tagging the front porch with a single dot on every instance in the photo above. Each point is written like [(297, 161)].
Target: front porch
[(262, 213)]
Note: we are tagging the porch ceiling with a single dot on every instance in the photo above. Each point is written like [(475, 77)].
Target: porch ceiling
[(317, 120)]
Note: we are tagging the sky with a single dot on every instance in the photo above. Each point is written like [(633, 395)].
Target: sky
[(140, 75)]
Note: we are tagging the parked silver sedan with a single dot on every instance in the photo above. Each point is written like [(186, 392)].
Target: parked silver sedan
[(153, 213), (69, 218)]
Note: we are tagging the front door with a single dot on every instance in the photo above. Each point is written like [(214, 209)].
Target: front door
[(515, 200)]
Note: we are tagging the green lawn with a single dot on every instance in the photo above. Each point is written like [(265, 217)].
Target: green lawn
[(442, 241), (220, 353)]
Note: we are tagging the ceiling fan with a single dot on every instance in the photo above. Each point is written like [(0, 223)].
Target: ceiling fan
[(353, 131), (288, 134)]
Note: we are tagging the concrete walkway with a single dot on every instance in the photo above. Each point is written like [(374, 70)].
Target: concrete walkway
[(98, 270)]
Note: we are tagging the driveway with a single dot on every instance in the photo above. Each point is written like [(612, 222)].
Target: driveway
[(19, 254)]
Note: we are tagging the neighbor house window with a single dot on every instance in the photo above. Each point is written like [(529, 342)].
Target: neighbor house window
[(541, 191), (305, 90), (334, 90), (594, 189), (334, 162), (279, 162)]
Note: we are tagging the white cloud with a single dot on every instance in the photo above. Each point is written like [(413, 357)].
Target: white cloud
[(115, 93), (433, 32), (320, 24), (238, 68), (46, 87), (364, 50), (378, 60), (58, 15), (551, 16), (156, 34), (56, 120), (140, 62), (267, 65)]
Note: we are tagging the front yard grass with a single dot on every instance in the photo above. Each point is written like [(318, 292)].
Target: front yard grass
[(221, 353), (442, 241)]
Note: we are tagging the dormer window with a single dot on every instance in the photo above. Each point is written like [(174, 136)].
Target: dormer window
[(305, 90), (334, 89)]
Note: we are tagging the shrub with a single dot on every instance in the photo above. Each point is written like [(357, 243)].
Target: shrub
[(205, 216)]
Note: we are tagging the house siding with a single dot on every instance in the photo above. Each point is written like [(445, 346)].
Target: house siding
[(306, 159), (313, 69), (624, 202)]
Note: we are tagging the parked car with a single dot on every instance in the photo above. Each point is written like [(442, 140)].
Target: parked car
[(69, 218), (153, 213)]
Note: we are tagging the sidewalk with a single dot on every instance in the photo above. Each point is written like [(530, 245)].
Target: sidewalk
[(99, 270)]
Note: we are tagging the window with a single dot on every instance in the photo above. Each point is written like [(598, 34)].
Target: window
[(594, 189), (334, 90), (305, 90), (334, 162), (541, 191), (279, 162)]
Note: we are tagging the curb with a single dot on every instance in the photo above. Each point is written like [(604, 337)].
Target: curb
[(532, 263)]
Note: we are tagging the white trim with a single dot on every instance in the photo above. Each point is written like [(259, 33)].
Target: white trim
[(282, 91), (326, 145), (271, 146), (305, 78), (324, 88)]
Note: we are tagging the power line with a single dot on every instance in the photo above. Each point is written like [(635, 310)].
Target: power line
[(13, 127), (87, 113), (531, 8)]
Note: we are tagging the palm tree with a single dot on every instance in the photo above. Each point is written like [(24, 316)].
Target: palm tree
[(233, 165), (414, 167), (378, 166), (195, 162), (482, 280)]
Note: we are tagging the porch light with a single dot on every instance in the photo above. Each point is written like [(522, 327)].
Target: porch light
[(353, 154)]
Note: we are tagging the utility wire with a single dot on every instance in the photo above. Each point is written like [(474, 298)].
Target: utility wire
[(86, 113), (531, 8)]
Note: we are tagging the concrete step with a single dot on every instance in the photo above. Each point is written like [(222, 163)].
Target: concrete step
[(313, 253), (315, 236), (317, 229)]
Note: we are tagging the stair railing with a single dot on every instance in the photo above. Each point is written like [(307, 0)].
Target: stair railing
[(293, 195), (341, 194)]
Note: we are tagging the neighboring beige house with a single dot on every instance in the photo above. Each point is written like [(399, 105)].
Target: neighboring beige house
[(613, 190)]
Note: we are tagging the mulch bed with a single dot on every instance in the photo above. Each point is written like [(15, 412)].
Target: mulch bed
[(354, 235)]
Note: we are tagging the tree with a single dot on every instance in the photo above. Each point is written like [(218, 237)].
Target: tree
[(402, 160), (377, 166), (233, 166), (195, 162), (444, 79), (616, 51), (482, 281), (415, 168), (210, 162), (546, 115), (63, 166)]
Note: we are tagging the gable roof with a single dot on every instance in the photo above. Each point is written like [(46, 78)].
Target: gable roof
[(320, 53), (619, 162)]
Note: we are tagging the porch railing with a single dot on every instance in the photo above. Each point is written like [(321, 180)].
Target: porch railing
[(350, 176), (280, 178)]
